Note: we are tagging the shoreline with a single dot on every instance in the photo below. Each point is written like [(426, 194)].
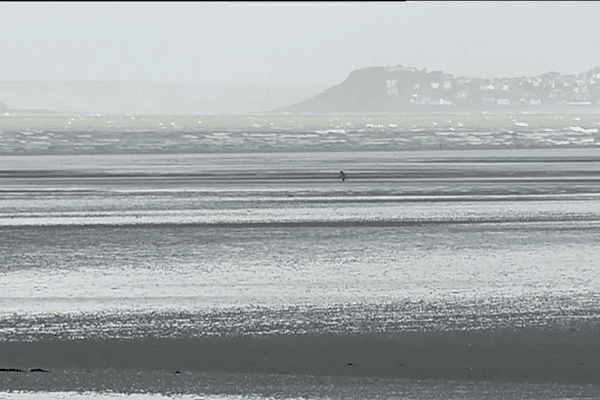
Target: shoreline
[(111, 134), (523, 355), (261, 385), (546, 341)]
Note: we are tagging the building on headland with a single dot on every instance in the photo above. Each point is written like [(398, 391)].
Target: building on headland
[(401, 88), (400, 68), (411, 87)]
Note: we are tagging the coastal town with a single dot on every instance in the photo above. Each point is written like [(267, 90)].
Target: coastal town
[(424, 88), (407, 89)]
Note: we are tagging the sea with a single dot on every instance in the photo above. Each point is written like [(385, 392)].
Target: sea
[(432, 252)]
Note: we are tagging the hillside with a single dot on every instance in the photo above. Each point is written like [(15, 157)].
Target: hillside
[(397, 89), (147, 98)]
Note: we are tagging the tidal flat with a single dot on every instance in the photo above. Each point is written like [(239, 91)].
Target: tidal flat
[(465, 270)]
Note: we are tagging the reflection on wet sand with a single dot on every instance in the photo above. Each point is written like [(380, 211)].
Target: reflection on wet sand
[(444, 264)]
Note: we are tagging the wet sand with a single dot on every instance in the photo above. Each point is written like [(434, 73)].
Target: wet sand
[(468, 266), (467, 341), (225, 385), (533, 355)]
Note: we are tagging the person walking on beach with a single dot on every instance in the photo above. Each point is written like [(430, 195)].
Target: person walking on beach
[(343, 176)]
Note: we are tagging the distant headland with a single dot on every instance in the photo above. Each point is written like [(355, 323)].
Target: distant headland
[(400, 88)]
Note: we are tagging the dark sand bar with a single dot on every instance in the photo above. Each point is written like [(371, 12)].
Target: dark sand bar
[(472, 342), (522, 355)]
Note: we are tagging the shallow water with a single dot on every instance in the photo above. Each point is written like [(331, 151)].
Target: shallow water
[(101, 134)]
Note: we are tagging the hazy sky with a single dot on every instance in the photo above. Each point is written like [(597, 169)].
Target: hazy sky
[(292, 43)]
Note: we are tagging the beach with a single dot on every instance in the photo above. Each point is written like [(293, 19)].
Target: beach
[(108, 384), (438, 269)]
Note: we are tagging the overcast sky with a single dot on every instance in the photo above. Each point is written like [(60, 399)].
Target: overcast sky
[(292, 43)]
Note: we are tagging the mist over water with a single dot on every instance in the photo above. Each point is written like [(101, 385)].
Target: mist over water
[(79, 134)]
